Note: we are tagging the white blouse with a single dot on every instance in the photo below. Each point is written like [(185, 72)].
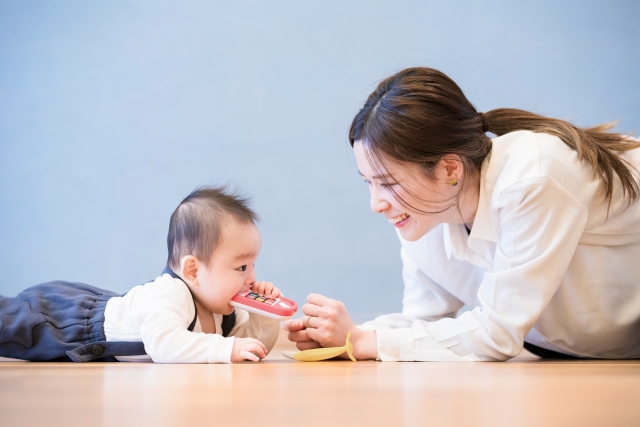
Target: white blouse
[(543, 263)]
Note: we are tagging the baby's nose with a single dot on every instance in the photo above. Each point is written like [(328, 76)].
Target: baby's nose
[(250, 279)]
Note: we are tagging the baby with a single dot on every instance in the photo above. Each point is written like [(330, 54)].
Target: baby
[(183, 316)]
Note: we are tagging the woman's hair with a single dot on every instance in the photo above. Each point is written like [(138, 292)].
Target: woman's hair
[(419, 115), (196, 225)]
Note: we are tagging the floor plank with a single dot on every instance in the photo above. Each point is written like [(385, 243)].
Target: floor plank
[(277, 391)]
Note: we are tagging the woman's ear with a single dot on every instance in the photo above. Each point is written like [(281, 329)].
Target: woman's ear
[(452, 165), (189, 269)]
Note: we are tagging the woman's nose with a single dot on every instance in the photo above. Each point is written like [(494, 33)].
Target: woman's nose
[(378, 203)]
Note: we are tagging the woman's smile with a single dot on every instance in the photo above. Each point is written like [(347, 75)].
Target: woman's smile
[(400, 220)]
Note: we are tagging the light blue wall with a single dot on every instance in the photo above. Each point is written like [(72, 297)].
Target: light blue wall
[(111, 112)]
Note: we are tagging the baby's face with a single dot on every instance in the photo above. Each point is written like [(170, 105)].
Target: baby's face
[(231, 268)]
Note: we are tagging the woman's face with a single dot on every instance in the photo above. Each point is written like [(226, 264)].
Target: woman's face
[(416, 190)]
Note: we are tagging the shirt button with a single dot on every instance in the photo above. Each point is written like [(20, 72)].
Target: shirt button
[(97, 350)]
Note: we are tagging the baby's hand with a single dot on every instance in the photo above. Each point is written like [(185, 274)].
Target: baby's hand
[(247, 349), (265, 288)]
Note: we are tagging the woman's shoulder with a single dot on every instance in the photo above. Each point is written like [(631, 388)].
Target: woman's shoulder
[(523, 156)]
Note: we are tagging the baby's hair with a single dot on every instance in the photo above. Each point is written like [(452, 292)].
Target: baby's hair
[(196, 225)]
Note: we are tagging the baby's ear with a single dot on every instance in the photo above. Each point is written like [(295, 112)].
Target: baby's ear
[(189, 267)]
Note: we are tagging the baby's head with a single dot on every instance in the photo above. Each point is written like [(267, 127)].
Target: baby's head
[(213, 243)]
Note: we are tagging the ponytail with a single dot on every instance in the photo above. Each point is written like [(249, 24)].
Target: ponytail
[(594, 145)]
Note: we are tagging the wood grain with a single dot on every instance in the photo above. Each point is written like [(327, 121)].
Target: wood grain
[(277, 391)]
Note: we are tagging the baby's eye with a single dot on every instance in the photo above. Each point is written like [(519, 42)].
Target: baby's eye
[(243, 268)]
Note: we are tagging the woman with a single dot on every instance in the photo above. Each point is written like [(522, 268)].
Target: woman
[(538, 230)]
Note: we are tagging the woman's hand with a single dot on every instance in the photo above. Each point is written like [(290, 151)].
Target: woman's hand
[(327, 325), (298, 334)]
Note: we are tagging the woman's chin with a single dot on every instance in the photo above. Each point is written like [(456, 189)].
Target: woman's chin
[(411, 232)]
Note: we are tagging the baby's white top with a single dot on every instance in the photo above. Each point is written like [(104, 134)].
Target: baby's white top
[(542, 263), (158, 313)]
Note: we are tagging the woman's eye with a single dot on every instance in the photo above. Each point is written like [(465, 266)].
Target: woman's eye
[(243, 268)]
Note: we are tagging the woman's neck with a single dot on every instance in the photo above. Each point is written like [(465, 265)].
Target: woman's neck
[(469, 199)]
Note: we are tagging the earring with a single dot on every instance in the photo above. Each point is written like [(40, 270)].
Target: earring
[(453, 182)]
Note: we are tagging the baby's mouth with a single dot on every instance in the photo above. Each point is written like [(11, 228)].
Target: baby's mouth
[(399, 220)]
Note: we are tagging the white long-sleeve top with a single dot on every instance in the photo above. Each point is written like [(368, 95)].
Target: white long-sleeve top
[(159, 313), (542, 263)]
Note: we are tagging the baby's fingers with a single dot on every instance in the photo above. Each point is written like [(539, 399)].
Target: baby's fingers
[(255, 351), (275, 292), (270, 290), (258, 287), (247, 355)]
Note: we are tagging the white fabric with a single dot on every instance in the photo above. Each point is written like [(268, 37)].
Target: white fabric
[(542, 262), (158, 313)]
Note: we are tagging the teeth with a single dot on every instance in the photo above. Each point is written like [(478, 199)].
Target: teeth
[(399, 218)]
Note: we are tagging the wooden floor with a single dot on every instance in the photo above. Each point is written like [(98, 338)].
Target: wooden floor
[(280, 392)]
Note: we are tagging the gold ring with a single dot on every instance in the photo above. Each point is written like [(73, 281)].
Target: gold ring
[(307, 323)]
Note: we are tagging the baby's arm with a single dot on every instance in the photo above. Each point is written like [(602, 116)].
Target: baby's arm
[(161, 311)]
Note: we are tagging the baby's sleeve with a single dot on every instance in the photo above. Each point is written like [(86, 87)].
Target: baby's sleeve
[(162, 311), (255, 326)]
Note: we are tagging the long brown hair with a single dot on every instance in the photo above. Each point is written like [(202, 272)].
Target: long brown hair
[(420, 115)]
